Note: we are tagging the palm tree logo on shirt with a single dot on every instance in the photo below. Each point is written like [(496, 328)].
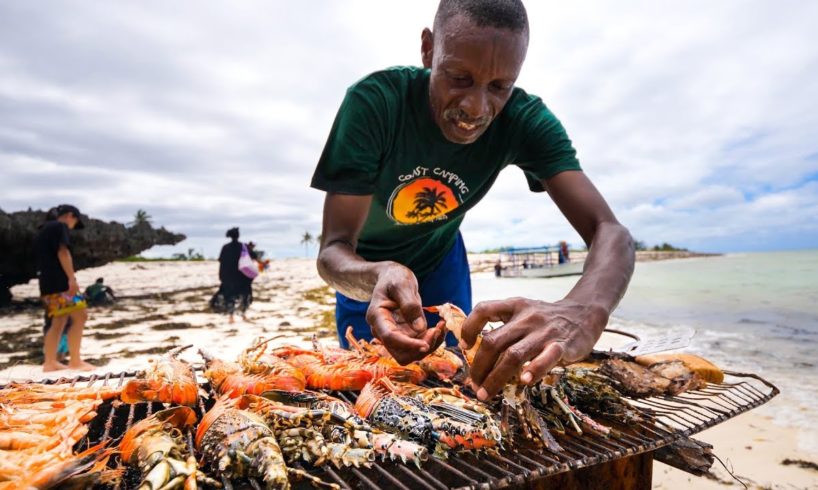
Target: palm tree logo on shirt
[(428, 203), (421, 201)]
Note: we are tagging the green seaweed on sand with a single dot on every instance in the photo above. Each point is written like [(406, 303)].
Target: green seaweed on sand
[(321, 295), (325, 322), (19, 340), (107, 336), (160, 349), (32, 356), (807, 465), (194, 298), (36, 357), (172, 326), (127, 322)]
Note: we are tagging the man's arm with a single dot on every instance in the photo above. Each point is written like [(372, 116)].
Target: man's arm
[(395, 312), (67, 263), (543, 334), (338, 264), (610, 261)]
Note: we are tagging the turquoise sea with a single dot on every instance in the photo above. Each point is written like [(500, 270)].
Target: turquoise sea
[(755, 312)]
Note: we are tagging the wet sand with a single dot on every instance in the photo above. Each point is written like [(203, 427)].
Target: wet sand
[(165, 304)]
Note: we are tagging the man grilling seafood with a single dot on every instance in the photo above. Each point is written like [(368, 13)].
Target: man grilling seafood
[(410, 151)]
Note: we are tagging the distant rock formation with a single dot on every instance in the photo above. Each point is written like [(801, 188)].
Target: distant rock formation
[(98, 244)]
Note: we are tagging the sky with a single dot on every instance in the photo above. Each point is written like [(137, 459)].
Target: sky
[(697, 120)]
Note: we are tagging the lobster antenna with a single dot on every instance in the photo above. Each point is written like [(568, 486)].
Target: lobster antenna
[(178, 350), (353, 341)]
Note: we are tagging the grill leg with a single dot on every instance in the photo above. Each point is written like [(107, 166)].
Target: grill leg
[(630, 473)]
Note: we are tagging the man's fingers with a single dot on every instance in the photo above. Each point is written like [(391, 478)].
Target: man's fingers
[(543, 363), (409, 303), (508, 365), (493, 345), (384, 327), (485, 311), (435, 335), (395, 340), (379, 317)]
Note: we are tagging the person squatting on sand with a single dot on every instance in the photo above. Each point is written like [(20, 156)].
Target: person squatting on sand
[(99, 294), (410, 151), (236, 288), (58, 287)]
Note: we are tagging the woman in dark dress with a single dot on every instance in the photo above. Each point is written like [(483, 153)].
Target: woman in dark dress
[(236, 288)]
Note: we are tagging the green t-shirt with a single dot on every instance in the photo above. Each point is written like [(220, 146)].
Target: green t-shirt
[(385, 143)]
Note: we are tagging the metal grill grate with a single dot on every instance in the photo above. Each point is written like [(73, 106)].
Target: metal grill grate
[(667, 419)]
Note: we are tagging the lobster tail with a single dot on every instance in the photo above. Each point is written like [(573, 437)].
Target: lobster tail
[(371, 395), (208, 418)]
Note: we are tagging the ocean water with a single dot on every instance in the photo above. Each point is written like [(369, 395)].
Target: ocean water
[(753, 312)]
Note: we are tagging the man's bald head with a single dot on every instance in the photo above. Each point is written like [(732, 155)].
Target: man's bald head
[(474, 57), (501, 14)]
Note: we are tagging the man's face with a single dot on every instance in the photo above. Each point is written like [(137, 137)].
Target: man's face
[(473, 70)]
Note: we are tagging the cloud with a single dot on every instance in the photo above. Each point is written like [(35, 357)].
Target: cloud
[(697, 121)]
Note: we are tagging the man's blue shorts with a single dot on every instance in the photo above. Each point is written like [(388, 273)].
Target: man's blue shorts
[(448, 283)]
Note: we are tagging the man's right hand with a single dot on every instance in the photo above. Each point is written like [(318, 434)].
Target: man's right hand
[(396, 316), (73, 287)]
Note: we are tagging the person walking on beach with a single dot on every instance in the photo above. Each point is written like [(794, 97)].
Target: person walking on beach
[(236, 288), (410, 151), (58, 287)]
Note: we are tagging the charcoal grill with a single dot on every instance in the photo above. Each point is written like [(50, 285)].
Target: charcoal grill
[(667, 419)]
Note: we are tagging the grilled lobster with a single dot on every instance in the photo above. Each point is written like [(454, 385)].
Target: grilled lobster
[(239, 444), (167, 380), (442, 428), (516, 396), (346, 429), (157, 446)]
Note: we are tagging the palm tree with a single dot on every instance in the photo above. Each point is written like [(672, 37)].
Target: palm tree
[(428, 203), (306, 240), (140, 217)]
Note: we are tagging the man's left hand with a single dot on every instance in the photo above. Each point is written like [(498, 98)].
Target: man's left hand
[(536, 337)]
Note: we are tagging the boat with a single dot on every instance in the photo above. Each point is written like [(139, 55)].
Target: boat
[(537, 262)]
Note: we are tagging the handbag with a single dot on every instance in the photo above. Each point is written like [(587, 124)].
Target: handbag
[(247, 265)]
